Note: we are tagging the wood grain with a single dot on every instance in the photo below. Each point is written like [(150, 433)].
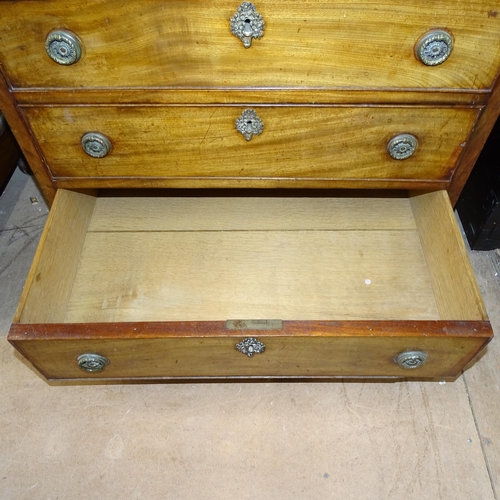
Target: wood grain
[(190, 43), (218, 275), (297, 142), (455, 286), (242, 183), (50, 280), (25, 140), (343, 352), (481, 131), (236, 95), (214, 259), (483, 379), (246, 213), (200, 329), (192, 272)]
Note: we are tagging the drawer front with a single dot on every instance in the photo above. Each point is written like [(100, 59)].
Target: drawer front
[(189, 43), (295, 142), (337, 287), (336, 350)]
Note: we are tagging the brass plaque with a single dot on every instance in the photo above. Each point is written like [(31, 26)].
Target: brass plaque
[(254, 324)]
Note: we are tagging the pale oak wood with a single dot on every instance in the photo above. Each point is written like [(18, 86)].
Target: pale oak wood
[(453, 280), (297, 142), (137, 213), (49, 283), (205, 259), (190, 43), (159, 264), (218, 275)]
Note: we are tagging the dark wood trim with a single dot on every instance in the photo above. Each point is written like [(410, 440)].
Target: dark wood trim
[(480, 132), (200, 329), (243, 96), (245, 182), (25, 139)]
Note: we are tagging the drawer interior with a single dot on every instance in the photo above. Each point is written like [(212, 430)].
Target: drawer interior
[(125, 259)]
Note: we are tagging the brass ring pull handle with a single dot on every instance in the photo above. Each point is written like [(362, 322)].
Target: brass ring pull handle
[(92, 363), (63, 47), (434, 48), (250, 346), (402, 146), (249, 124), (96, 144), (411, 360), (247, 23)]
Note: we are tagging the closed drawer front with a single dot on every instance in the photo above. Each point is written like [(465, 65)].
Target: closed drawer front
[(314, 43), (295, 142), (184, 287)]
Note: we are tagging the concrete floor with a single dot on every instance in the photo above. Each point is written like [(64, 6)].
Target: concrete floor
[(239, 440)]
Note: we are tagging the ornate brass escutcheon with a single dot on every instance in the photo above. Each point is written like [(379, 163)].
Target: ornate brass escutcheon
[(247, 23), (250, 346), (249, 124)]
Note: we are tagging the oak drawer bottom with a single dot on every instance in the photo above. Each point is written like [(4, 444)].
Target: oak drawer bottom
[(142, 288)]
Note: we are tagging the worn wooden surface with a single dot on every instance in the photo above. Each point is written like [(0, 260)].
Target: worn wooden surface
[(483, 379), (211, 259), (50, 282), (453, 282), (205, 260), (297, 142), (164, 213), (293, 356), (190, 43), (332, 54), (25, 140), (267, 95), (329, 263), (481, 131), (301, 440)]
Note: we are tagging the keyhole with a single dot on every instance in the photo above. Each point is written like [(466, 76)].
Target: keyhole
[(247, 28)]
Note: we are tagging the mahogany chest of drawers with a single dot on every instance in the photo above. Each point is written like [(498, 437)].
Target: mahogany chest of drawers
[(302, 157)]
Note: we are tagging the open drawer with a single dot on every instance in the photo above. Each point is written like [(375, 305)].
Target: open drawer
[(139, 288)]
